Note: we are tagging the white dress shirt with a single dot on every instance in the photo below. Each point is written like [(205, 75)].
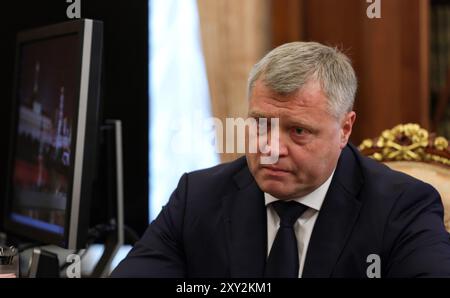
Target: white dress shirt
[(305, 223)]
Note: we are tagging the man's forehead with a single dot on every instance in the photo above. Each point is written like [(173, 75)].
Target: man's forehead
[(267, 108), (310, 95)]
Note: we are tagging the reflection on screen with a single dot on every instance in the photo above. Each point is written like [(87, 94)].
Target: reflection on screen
[(45, 129)]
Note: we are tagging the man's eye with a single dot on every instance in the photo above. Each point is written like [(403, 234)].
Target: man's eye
[(298, 130)]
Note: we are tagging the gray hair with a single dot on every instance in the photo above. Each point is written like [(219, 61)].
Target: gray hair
[(289, 67)]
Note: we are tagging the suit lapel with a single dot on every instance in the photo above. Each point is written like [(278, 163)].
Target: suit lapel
[(336, 218), (246, 227), (246, 222)]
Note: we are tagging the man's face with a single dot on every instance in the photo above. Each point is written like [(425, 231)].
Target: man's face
[(310, 139)]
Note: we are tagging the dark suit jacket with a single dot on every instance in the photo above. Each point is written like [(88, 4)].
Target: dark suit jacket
[(215, 225)]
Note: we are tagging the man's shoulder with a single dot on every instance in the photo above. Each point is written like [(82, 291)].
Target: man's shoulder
[(221, 171), (384, 193), (386, 182), (218, 180)]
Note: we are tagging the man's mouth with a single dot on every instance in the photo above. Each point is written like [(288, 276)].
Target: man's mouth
[(274, 170)]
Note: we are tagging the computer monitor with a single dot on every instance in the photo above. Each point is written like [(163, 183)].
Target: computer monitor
[(52, 162)]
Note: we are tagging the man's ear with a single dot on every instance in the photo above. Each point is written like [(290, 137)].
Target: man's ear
[(346, 127)]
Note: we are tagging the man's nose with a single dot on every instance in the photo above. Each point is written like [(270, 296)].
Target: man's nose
[(282, 148), (274, 145)]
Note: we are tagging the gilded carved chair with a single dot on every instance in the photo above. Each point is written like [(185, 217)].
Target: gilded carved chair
[(411, 149)]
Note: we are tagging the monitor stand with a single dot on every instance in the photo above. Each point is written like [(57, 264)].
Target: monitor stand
[(112, 133), (43, 264)]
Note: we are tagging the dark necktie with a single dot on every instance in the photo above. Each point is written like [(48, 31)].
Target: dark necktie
[(283, 257)]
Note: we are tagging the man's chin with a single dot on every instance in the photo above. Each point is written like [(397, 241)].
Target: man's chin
[(275, 188)]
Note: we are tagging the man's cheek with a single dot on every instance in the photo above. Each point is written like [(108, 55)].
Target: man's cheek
[(252, 161)]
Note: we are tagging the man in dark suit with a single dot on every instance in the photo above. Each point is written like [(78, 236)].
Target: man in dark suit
[(319, 209)]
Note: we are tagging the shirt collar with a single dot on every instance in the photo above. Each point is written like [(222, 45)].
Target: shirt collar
[(313, 200)]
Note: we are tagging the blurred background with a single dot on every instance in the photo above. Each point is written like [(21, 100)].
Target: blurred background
[(170, 63)]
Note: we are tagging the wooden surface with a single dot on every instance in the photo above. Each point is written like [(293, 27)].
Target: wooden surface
[(286, 21), (390, 56), (234, 37)]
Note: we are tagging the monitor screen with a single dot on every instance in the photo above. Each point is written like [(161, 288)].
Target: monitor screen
[(54, 132), (42, 162)]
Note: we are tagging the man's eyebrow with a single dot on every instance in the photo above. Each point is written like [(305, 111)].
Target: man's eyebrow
[(257, 114), (297, 122), (304, 125)]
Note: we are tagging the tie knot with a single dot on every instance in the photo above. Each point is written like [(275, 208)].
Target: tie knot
[(288, 212)]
